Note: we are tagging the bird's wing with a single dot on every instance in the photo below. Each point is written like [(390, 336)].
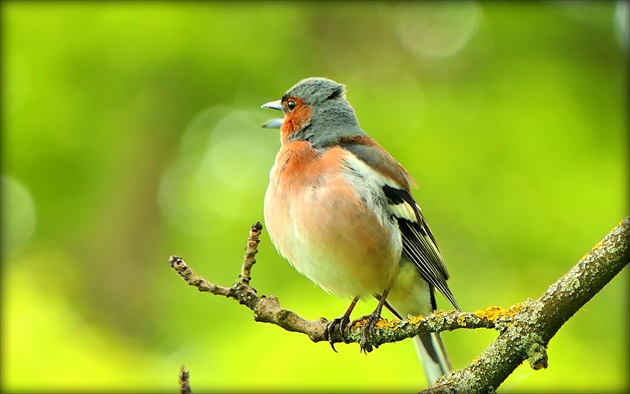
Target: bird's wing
[(419, 244)]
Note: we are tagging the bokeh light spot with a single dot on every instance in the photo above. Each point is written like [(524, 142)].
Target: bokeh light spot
[(219, 171), (19, 217), (437, 29)]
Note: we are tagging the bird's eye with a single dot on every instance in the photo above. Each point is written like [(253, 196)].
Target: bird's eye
[(291, 105)]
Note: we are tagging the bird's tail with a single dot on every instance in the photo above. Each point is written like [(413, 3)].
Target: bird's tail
[(412, 295), (432, 352)]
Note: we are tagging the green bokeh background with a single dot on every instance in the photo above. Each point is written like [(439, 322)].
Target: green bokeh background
[(131, 131)]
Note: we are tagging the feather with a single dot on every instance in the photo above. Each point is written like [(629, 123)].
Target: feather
[(419, 245)]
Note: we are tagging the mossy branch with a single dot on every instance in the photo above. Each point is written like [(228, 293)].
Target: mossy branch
[(525, 328), (534, 326)]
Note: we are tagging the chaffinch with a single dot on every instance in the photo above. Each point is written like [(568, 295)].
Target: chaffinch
[(339, 208)]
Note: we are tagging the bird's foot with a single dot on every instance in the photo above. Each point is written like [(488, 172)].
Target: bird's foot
[(370, 322), (339, 324)]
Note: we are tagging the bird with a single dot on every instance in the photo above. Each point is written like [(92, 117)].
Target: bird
[(339, 208)]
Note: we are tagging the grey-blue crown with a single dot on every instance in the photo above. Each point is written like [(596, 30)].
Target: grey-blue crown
[(316, 90)]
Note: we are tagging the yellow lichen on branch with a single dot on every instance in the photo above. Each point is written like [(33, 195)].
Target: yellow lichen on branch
[(495, 313), (491, 313)]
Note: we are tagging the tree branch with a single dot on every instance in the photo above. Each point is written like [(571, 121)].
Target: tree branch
[(535, 325), (525, 328)]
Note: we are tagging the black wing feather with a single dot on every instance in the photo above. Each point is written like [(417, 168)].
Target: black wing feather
[(419, 245)]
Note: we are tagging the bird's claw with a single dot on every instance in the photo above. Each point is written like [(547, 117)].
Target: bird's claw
[(339, 324), (366, 340)]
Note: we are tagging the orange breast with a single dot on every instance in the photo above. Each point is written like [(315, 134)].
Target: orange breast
[(325, 225)]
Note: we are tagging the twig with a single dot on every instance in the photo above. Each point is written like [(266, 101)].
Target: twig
[(250, 253), (268, 309), (184, 383)]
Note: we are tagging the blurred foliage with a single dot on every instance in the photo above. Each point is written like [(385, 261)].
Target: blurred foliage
[(131, 131)]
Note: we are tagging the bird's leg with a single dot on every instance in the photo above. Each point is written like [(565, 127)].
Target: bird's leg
[(389, 307), (370, 322), (340, 323)]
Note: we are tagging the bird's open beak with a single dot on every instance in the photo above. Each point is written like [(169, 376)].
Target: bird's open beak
[(273, 123), (277, 105)]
